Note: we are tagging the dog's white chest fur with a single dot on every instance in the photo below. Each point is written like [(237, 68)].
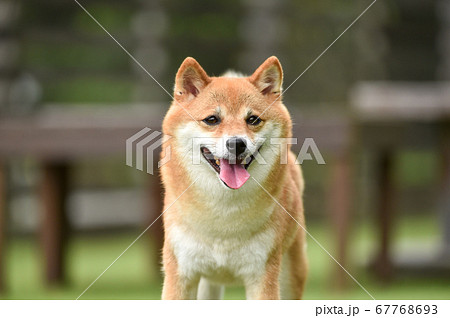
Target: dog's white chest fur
[(222, 260)]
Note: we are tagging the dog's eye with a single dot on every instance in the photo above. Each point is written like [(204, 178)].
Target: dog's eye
[(253, 120), (211, 120)]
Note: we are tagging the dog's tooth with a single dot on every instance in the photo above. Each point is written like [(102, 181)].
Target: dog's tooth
[(217, 162), (216, 158)]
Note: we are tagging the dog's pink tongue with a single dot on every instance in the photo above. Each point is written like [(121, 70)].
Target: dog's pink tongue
[(234, 175)]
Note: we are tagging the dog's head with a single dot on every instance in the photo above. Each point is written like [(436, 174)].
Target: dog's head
[(224, 125)]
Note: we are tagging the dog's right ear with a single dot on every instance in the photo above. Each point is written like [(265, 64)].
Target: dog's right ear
[(268, 78), (190, 80)]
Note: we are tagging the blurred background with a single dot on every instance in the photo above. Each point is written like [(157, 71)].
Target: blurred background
[(377, 104)]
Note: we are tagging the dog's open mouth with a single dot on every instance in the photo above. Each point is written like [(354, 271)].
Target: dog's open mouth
[(233, 174)]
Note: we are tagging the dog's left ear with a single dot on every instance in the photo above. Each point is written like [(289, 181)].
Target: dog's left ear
[(191, 79), (268, 78)]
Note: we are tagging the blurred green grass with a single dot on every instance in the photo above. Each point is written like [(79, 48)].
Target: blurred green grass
[(134, 277)]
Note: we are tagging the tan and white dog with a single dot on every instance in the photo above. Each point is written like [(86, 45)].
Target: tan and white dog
[(226, 146)]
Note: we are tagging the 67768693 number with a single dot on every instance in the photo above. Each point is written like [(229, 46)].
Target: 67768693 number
[(406, 309)]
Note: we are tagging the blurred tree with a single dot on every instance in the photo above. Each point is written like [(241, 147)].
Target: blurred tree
[(411, 31), (205, 30)]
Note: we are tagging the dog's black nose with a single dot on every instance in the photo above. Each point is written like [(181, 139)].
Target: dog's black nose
[(236, 145)]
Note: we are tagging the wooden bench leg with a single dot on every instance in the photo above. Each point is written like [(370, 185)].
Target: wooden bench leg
[(3, 218), (54, 188), (445, 189), (339, 211), (385, 216)]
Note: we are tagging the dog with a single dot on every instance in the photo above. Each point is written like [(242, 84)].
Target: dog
[(229, 199)]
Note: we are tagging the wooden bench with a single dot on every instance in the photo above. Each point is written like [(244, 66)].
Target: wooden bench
[(393, 116), (58, 137)]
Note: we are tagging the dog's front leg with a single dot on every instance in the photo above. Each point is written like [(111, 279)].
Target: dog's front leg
[(177, 285), (267, 285)]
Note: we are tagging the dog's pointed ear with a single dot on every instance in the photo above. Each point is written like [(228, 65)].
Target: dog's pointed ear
[(191, 79), (268, 78)]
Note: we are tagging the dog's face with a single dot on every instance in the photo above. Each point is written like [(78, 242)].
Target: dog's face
[(225, 125)]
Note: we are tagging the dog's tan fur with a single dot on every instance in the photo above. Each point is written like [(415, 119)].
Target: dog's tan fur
[(226, 236)]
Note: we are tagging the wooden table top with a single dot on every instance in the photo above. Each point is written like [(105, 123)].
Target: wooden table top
[(401, 101), (65, 132)]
